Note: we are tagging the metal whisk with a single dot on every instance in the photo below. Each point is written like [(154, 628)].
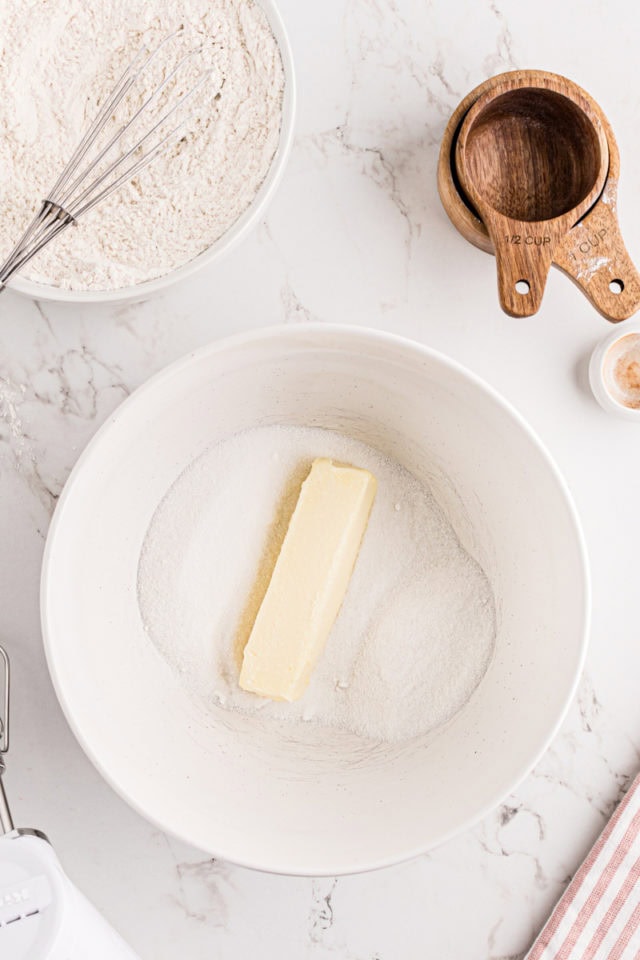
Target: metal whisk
[(83, 183)]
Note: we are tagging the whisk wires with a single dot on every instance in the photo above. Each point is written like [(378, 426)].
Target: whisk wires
[(86, 180)]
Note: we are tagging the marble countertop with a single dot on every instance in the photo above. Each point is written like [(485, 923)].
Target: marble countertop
[(355, 234)]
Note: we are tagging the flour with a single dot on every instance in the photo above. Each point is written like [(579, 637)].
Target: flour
[(416, 630), (59, 60)]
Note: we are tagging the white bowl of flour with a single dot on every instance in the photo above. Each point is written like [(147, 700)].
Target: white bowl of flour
[(456, 651), (189, 206)]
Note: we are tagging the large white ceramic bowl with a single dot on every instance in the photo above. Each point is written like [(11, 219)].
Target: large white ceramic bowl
[(243, 225), (256, 794)]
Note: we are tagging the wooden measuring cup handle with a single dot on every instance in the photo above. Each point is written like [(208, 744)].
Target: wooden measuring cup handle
[(593, 254), (524, 253)]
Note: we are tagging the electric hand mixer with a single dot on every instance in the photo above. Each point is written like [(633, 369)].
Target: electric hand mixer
[(42, 915)]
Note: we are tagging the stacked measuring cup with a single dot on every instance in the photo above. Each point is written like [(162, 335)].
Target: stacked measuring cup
[(528, 170)]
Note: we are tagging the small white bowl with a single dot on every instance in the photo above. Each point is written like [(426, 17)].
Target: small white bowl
[(271, 795), (600, 376), (229, 239)]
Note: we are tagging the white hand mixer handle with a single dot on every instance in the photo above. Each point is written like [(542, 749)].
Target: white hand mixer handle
[(43, 916)]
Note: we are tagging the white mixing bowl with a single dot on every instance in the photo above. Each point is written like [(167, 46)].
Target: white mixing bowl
[(256, 794), (236, 232)]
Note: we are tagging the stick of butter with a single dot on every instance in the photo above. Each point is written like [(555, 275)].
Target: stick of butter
[(309, 580)]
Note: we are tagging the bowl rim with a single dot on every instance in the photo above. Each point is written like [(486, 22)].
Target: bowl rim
[(337, 335), (232, 236)]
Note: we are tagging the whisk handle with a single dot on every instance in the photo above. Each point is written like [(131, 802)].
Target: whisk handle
[(50, 221)]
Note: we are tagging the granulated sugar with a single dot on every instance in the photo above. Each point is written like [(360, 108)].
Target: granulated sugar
[(58, 62), (416, 630)]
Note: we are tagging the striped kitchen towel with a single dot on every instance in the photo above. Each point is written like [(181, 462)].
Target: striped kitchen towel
[(598, 917)]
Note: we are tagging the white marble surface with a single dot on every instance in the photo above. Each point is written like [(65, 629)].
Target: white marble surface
[(356, 234)]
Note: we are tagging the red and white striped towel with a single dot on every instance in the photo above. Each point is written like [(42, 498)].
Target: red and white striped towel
[(598, 917)]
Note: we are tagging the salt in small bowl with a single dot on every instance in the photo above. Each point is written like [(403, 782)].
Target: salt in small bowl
[(614, 372)]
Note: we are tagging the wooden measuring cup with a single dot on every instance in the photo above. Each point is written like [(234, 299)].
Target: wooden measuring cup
[(532, 157), (592, 254)]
